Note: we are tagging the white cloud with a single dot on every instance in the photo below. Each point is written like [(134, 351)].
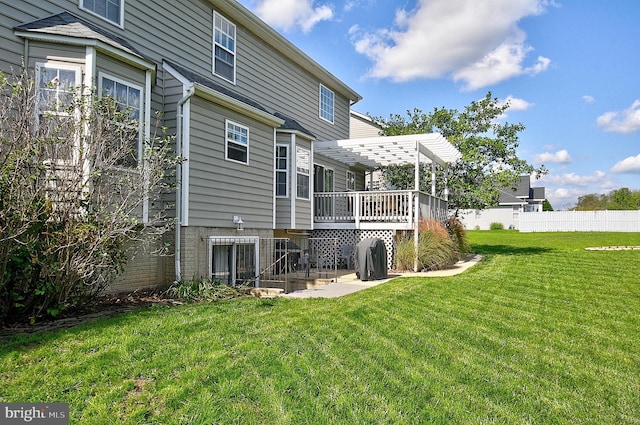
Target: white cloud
[(516, 104), (588, 99), (563, 190), (630, 165), (559, 157), (475, 43), (627, 121), (290, 14), (597, 179)]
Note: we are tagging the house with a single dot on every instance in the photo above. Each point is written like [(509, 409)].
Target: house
[(263, 129), (511, 204)]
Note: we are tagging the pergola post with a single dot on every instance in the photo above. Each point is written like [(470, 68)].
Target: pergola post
[(416, 208)]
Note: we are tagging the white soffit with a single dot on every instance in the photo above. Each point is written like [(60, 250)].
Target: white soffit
[(382, 151)]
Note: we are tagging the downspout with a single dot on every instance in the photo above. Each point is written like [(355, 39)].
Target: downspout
[(179, 143)]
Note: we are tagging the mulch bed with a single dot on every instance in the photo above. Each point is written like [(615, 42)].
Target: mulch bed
[(100, 307)]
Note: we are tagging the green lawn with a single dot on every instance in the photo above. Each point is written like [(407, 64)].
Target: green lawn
[(540, 332)]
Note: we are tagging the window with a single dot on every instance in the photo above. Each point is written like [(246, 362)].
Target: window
[(224, 48), (111, 10), (303, 162), (326, 104), (127, 98), (323, 183), (351, 181), (233, 260), (57, 84), (282, 171), (237, 143)]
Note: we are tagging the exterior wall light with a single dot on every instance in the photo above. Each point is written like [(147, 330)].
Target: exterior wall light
[(237, 220)]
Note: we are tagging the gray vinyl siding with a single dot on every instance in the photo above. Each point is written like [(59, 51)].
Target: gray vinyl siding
[(220, 189), (182, 33), (115, 68), (362, 128), (13, 13), (47, 52)]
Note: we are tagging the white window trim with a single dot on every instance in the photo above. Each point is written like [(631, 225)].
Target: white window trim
[(120, 23), (308, 174), (285, 171), (78, 77), (226, 142), (141, 118), (57, 65), (333, 106), (214, 44)]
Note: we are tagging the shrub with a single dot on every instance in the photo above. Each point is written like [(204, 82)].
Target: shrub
[(496, 226), (436, 248), (405, 254), (70, 196), (459, 235), (200, 290)]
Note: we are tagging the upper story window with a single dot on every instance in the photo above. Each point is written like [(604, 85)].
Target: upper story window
[(282, 171), (303, 169), (326, 103), (111, 10), (237, 142), (224, 48), (127, 98)]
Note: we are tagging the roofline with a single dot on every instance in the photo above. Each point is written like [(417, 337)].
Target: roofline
[(265, 32), (112, 51), (226, 100)]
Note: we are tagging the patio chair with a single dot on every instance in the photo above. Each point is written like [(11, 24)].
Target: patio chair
[(344, 256)]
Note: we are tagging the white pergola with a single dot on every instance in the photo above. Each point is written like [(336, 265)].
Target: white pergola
[(376, 152)]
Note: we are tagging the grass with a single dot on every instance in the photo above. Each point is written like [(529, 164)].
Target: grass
[(540, 332)]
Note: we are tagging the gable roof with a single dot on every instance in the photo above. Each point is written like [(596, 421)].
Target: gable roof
[(522, 194), (508, 198), (67, 28)]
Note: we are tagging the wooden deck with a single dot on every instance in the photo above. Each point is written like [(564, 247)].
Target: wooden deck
[(393, 209)]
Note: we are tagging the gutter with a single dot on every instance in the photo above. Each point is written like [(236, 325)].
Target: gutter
[(179, 148)]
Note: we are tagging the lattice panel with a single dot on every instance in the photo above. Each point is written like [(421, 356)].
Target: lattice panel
[(352, 237)]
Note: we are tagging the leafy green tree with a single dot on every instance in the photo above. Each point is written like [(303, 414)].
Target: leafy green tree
[(623, 199), (546, 205), (619, 199), (488, 146), (591, 202)]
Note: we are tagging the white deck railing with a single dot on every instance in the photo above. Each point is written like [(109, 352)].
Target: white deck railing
[(393, 206)]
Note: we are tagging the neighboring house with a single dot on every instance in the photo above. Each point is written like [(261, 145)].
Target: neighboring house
[(512, 203), (263, 130)]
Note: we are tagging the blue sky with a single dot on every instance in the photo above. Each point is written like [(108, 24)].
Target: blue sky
[(571, 69)]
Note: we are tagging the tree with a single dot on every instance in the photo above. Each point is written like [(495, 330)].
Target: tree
[(489, 158), (546, 205), (623, 199), (71, 199), (619, 199)]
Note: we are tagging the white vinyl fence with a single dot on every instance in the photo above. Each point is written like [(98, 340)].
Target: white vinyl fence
[(580, 221)]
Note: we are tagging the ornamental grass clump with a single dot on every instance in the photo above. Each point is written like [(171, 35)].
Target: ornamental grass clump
[(438, 247)]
